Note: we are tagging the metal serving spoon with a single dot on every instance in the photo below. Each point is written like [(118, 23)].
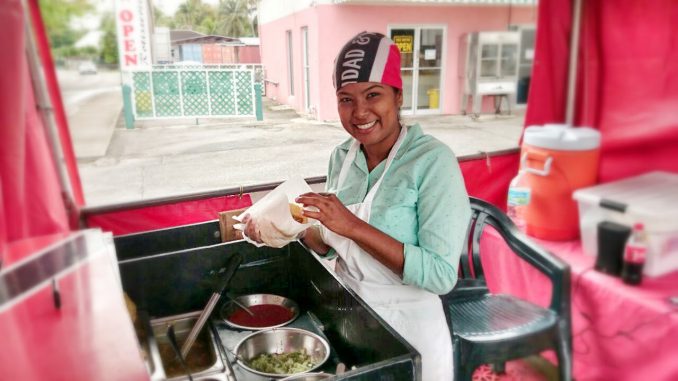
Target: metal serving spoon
[(237, 303), (173, 343), (231, 268)]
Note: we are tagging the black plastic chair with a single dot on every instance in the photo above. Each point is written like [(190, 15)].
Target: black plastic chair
[(492, 328)]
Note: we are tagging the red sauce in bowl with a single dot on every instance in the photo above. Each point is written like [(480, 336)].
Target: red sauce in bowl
[(265, 315)]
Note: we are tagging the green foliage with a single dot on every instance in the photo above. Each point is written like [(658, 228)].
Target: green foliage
[(191, 14), (161, 19), (57, 16), (109, 41), (89, 51), (234, 16), (209, 26), (231, 18)]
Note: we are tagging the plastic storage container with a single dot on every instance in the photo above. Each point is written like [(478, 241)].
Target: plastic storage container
[(651, 199), (558, 160)]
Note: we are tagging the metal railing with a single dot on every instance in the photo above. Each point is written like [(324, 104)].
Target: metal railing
[(196, 91)]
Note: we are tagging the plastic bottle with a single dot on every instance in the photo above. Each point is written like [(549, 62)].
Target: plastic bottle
[(519, 194), (635, 252)]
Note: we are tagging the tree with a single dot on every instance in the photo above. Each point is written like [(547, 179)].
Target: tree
[(234, 16), (161, 19), (109, 40), (191, 14), (252, 4), (209, 26), (57, 16)]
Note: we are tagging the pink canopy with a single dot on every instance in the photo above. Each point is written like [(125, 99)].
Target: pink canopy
[(627, 83), (627, 88), (32, 203)]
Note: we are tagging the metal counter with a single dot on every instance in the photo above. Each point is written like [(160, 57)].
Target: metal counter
[(175, 282)]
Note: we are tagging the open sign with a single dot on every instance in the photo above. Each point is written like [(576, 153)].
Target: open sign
[(133, 35)]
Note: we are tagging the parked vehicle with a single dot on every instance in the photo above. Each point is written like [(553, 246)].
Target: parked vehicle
[(87, 67)]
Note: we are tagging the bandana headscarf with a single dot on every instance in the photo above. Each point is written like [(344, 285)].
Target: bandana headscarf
[(368, 57)]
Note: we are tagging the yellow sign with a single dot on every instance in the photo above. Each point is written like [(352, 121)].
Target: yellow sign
[(404, 43)]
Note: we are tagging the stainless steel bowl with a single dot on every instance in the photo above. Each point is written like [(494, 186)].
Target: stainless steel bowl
[(282, 340), (256, 299), (308, 377)]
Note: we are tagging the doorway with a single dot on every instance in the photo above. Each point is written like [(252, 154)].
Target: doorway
[(306, 70), (421, 51), (525, 61)]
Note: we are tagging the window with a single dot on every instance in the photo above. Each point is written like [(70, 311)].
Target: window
[(307, 70), (422, 50), (290, 63)]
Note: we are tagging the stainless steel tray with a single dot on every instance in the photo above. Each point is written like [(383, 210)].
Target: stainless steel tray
[(214, 368)]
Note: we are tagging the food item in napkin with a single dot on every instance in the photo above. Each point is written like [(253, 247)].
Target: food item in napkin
[(274, 216), (297, 213)]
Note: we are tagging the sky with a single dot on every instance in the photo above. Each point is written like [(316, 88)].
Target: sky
[(168, 7), (91, 21)]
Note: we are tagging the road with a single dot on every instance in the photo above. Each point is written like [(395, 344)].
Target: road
[(93, 103), (176, 157)]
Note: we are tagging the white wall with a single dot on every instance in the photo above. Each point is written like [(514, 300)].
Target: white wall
[(161, 45)]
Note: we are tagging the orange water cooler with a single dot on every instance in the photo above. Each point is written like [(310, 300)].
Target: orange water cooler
[(558, 160)]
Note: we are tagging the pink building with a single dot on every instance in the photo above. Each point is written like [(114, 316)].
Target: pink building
[(300, 38)]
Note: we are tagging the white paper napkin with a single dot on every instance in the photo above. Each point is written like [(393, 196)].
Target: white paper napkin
[(272, 216)]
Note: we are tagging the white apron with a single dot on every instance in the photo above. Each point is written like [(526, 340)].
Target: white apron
[(416, 314)]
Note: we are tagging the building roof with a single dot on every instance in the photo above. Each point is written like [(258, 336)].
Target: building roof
[(178, 35), (249, 40), (191, 37), (211, 39)]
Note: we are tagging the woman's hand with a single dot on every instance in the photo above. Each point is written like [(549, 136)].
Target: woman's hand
[(331, 212), (266, 232), (336, 217), (251, 230)]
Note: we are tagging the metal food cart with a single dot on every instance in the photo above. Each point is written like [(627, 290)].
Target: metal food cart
[(166, 273)]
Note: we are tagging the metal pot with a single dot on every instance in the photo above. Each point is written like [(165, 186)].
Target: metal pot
[(278, 341), (257, 299)]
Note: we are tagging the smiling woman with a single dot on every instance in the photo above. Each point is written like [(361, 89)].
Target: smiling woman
[(396, 208), (369, 112)]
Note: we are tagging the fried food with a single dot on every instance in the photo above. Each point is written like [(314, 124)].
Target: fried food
[(297, 211)]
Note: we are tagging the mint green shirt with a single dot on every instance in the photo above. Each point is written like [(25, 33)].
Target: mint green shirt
[(422, 202)]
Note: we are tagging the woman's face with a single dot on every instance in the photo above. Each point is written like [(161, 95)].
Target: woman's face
[(369, 112)]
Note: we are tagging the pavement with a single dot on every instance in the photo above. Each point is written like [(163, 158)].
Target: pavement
[(93, 103), (169, 157)]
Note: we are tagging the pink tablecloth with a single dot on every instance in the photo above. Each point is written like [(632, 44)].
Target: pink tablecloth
[(620, 332)]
